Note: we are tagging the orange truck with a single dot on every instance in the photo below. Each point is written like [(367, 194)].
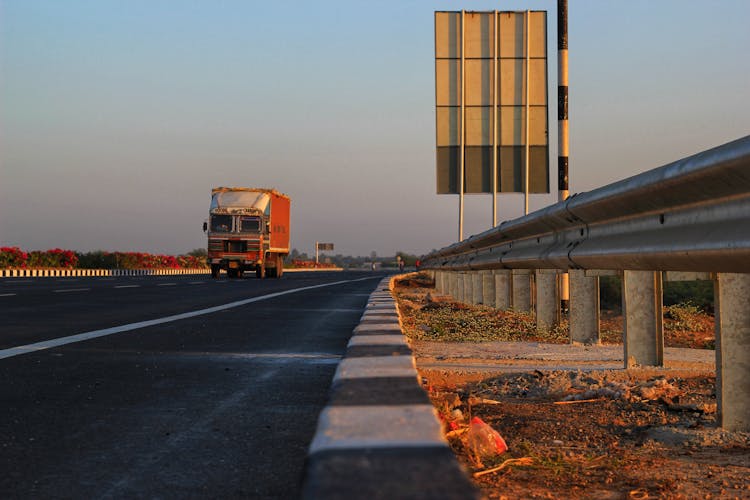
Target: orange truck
[(248, 230)]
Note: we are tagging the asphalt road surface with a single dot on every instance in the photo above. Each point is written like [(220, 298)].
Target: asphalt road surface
[(206, 388)]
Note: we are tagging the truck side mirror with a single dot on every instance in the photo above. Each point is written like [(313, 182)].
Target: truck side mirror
[(205, 227)]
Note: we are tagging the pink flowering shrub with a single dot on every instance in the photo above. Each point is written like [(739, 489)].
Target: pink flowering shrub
[(14, 257)]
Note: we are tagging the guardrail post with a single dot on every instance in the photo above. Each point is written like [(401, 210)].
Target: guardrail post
[(459, 294), (547, 301), (521, 290), (488, 288), (453, 284), (584, 307), (503, 290), (477, 297), (642, 313), (731, 295), (467, 289)]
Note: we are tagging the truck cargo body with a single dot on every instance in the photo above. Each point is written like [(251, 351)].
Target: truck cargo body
[(248, 230)]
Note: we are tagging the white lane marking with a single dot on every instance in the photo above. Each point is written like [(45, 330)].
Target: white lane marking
[(128, 286), (7, 294), (49, 344), (16, 282), (66, 290), (166, 284), (195, 282)]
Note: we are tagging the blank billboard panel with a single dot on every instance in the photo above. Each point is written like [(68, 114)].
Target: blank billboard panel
[(511, 177), (447, 35), (492, 114), (512, 39), (478, 172), (447, 169), (448, 126)]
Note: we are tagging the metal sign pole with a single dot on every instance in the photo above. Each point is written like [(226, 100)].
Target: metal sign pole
[(495, 87), (526, 182), (463, 125), (316, 252)]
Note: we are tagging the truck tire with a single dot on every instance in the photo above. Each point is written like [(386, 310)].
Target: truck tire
[(215, 271), (260, 272)]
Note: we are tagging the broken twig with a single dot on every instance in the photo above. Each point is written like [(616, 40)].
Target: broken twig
[(578, 401), (511, 461)]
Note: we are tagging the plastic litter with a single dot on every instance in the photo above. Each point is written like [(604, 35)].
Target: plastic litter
[(483, 440)]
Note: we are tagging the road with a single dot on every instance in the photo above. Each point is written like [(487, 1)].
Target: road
[(220, 402)]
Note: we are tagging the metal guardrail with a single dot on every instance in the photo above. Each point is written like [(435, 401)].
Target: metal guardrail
[(690, 215)]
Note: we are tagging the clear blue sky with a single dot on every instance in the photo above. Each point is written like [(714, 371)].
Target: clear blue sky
[(118, 116)]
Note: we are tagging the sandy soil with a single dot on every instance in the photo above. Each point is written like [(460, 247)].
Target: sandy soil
[(576, 423)]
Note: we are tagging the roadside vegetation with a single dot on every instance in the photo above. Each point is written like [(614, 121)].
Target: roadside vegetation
[(427, 315), (56, 258)]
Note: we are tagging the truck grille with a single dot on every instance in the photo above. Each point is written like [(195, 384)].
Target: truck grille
[(234, 246)]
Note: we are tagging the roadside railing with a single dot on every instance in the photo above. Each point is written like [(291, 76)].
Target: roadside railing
[(686, 220)]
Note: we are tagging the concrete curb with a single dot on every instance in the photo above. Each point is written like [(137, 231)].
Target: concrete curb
[(379, 436), (49, 273)]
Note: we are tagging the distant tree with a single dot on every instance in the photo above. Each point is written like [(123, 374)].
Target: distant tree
[(198, 252)]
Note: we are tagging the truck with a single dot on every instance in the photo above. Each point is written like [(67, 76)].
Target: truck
[(248, 230)]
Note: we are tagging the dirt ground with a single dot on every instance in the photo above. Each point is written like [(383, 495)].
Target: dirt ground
[(576, 424)]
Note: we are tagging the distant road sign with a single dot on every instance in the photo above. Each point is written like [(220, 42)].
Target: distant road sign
[(491, 102), (325, 246)]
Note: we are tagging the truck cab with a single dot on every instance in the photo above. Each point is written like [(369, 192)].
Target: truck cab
[(248, 230)]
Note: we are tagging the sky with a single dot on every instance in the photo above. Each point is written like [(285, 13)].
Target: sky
[(117, 117)]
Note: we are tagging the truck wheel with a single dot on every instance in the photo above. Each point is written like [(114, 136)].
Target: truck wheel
[(214, 271), (260, 272)]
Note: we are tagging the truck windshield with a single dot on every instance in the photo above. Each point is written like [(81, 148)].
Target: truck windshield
[(221, 223), (249, 224)]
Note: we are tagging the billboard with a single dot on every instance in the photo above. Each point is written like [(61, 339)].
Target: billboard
[(491, 101)]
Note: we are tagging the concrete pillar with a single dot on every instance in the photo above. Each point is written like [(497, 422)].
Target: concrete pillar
[(642, 312), (476, 294), (547, 300), (732, 311), (468, 288), (458, 286), (488, 288), (503, 290), (584, 307), (521, 294), (453, 285)]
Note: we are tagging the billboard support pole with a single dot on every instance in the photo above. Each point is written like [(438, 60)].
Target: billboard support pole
[(563, 190), (526, 168), (463, 133), (316, 252), (495, 87)]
